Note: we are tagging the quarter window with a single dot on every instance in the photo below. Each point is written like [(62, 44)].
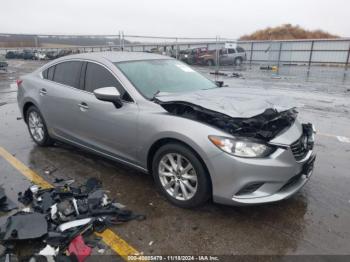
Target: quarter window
[(68, 73), (45, 72), (51, 72), (97, 76)]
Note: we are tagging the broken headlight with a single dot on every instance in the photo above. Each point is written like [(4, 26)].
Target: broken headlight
[(241, 148)]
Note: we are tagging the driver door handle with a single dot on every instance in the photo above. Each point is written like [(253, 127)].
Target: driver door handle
[(83, 106)]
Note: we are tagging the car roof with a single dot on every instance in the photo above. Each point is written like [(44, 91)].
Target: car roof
[(114, 56)]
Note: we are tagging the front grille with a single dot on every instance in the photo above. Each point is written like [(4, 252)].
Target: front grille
[(299, 148)]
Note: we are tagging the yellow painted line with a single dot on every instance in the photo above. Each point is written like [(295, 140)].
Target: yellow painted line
[(116, 243), (24, 170)]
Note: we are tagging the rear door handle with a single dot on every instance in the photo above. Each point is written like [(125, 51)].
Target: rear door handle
[(83, 106), (42, 91)]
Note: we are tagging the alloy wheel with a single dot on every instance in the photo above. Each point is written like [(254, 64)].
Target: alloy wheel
[(178, 176), (36, 126)]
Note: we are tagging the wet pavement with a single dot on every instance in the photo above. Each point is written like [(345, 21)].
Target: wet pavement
[(315, 221)]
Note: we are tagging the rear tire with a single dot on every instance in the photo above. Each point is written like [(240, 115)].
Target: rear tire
[(238, 61), (185, 182), (37, 127)]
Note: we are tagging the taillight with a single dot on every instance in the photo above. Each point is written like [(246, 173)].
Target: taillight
[(18, 82)]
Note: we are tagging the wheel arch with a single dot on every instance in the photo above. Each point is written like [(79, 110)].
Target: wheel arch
[(160, 142), (26, 106)]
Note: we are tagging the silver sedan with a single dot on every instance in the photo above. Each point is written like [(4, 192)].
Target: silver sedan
[(198, 139)]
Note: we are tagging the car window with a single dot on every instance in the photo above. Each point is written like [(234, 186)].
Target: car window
[(45, 73), (231, 51), (240, 49), (153, 76), (51, 72), (68, 73), (97, 76)]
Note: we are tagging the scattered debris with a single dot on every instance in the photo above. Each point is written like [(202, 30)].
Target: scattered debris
[(75, 223), (60, 217), (79, 248), (24, 226), (50, 170), (218, 73), (237, 75), (5, 203), (19, 118), (101, 251), (275, 76), (151, 243), (272, 68), (49, 251)]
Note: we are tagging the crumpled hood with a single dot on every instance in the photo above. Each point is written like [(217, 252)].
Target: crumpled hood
[(234, 102)]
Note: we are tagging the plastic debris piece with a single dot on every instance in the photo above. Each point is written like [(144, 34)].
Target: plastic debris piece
[(75, 223), (34, 189), (26, 209), (24, 225), (74, 201), (53, 211), (78, 247), (26, 198), (49, 251), (6, 204)]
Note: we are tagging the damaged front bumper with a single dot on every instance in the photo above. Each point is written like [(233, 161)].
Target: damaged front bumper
[(247, 181)]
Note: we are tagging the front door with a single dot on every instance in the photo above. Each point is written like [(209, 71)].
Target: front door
[(103, 126)]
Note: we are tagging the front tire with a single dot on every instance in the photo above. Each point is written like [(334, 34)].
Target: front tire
[(37, 127), (181, 176)]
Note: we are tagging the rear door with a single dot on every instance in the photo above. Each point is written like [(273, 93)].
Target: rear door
[(104, 127), (60, 98)]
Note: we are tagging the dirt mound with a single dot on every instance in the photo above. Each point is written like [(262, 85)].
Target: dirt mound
[(287, 31)]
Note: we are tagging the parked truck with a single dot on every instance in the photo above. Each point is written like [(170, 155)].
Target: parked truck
[(227, 56)]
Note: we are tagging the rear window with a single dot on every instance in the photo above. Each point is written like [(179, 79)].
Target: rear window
[(67, 73)]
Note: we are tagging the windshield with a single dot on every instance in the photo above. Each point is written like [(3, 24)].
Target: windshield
[(153, 76)]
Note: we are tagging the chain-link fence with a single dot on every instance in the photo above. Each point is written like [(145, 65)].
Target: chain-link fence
[(309, 59)]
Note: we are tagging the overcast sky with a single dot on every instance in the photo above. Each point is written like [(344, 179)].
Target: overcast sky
[(194, 18)]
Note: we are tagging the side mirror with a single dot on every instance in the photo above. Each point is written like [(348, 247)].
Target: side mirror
[(109, 94)]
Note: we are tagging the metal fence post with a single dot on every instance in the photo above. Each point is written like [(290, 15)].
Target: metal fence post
[(177, 49), (251, 55), (279, 58), (217, 54), (347, 59), (346, 64), (310, 57)]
